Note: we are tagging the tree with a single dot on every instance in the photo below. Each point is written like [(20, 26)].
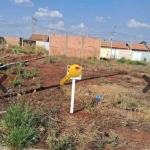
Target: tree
[(143, 42)]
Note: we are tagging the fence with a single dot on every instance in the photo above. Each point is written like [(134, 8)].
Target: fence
[(82, 47)]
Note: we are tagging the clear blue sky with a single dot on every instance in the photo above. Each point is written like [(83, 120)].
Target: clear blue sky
[(90, 17)]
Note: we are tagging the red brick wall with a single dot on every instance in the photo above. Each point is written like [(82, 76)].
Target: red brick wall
[(74, 46), (91, 47), (15, 41)]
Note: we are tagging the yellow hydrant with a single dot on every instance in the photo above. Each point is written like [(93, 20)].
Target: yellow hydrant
[(74, 71)]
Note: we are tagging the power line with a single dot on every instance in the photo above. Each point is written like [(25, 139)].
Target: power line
[(101, 34)]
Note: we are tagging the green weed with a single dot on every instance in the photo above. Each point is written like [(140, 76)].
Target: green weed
[(19, 127), (135, 74), (103, 79), (113, 139), (63, 143), (20, 51), (17, 82), (27, 74), (131, 62), (92, 60), (100, 146)]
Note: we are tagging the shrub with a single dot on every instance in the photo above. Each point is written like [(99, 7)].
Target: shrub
[(113, 139), (103, 79), (17, 82), (26, 74), (63, 143), (131, 62), (19, 127), (92, 60), (51, 59)]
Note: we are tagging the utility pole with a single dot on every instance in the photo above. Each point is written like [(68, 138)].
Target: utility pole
[(34, 20), (131, 44), (112, 36)]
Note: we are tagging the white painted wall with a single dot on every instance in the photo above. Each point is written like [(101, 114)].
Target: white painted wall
[(105, 53), (137, 55), (146, 55), (42, 44), (126, 53), (115, 53)]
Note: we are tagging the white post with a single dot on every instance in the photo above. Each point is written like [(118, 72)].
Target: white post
[(72, 95)]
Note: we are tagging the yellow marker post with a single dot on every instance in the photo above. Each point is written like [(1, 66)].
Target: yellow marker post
[(74, 72)]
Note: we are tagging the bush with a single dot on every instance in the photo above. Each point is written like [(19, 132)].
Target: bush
[(17, 82), (19, 127), (131, 62), (27, 74), (64, 143), (92, 59)]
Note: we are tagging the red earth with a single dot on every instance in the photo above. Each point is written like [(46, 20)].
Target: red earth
[(50, 75)]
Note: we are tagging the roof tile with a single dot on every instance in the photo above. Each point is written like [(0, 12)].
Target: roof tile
[(138, 47), (119, 45), (39, 37), (105, 44)]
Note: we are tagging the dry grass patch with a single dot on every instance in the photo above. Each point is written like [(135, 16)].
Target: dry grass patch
[(113, 96)]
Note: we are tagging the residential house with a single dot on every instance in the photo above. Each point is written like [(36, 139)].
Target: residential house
[(120, 50), (41, 40), (29, 43), (139, 52), (105, 51)]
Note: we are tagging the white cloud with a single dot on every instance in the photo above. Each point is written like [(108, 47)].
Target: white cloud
[(100, 19), (136, 24), (80, 26), (23, 2), (27, 18), (109, 17), (45, 13), (59, 25)]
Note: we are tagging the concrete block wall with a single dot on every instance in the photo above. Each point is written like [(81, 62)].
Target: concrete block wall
[(81, 47)]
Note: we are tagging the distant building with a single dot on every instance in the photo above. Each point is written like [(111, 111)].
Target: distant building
[(105, 51), (120, 50), (139, 52), (41, 40)]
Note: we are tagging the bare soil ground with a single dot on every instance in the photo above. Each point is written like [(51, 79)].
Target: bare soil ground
[(121, 120)]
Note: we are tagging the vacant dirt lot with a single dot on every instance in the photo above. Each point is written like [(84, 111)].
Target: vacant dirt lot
[(121, 120)]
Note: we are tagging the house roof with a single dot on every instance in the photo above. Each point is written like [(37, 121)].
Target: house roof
[(138, 47), (148, 46), (39, 37), (105, 44), (119, 45)]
